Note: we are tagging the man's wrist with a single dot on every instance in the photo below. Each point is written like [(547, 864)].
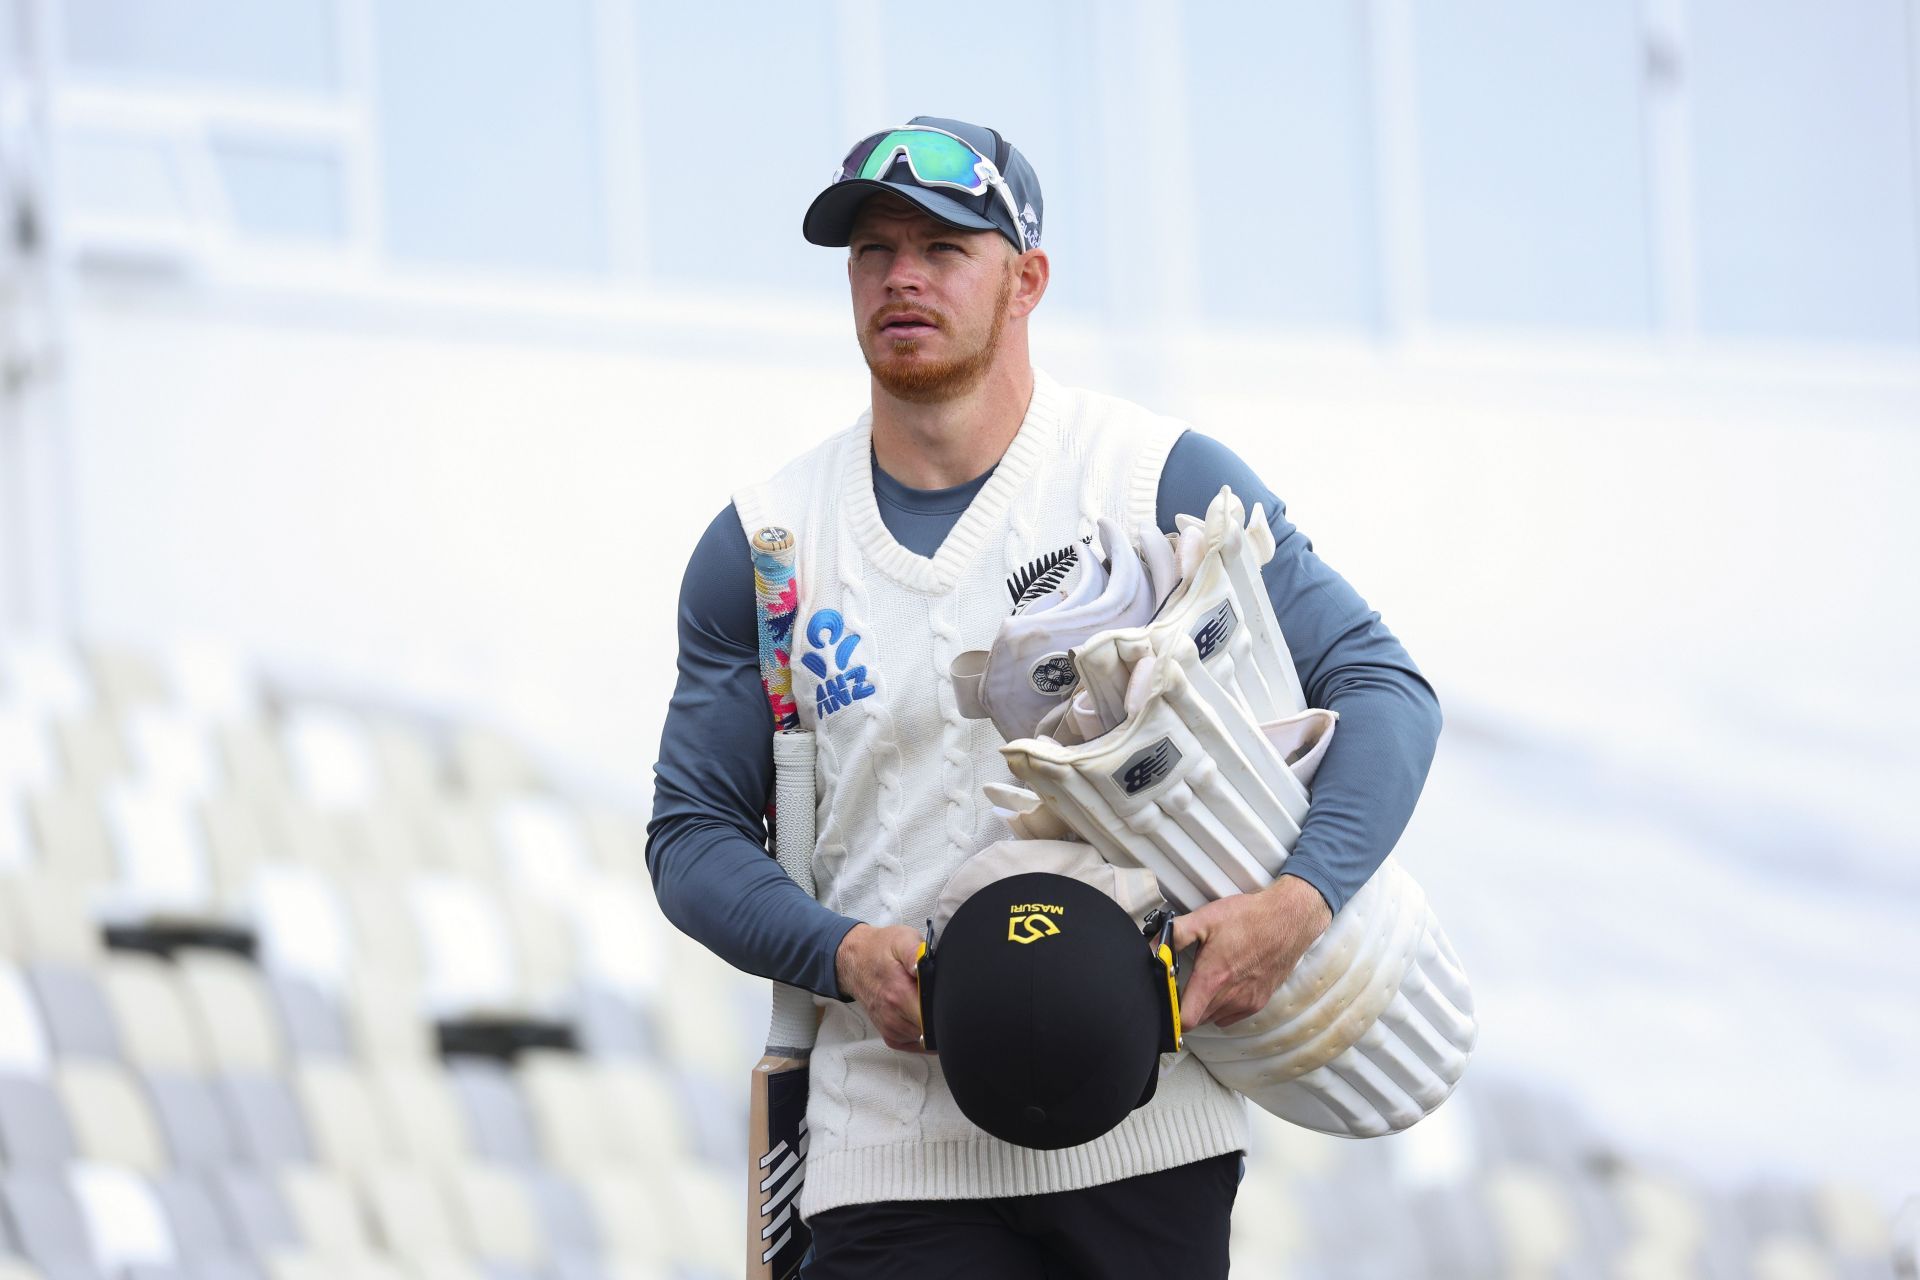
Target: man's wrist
[(843, 957)]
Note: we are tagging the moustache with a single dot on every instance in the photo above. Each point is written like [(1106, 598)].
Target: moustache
[(879, 322)]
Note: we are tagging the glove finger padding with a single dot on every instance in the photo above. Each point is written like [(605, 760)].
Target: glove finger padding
[(1072, 595)]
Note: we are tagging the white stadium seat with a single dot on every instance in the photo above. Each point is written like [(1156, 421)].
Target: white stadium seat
[(125, 1220), (156, 1029), (348, 1132), (113, 1121), (232, 1011), (23, 1037)]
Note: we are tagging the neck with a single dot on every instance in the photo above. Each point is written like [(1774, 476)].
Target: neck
[(939, 445)]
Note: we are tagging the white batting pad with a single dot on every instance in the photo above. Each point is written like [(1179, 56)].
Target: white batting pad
[(1370, 1032), (1186, 786)]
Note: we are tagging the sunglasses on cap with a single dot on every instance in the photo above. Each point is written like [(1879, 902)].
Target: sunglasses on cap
[(934, 157), (1158, 931)]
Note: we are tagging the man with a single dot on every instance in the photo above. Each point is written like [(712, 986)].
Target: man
[(969, 465)]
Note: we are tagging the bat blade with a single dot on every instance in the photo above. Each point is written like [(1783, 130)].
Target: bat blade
[(776, 1165)]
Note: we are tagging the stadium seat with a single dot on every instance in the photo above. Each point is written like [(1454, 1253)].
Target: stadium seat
[(496, 1215), (113, 1123), (200, 1234), (35, 1133), (304, 929), (312, 1020), (233, 1016), (633, 1225), (544, 944), (418, 1107), (380, 836), (172, 751), (565, 1214), (91, 749), (410, 1218), (467, 955), (1783, 1256), (124, 677), (384, 939), (330, 758), (488, 763), (348, 1133), (54, 918), (158, 841), (457, 836), (24, 1047), (497, 1112), (238, 838), (570, 1112), (47, 1218), (257, 1209), (408, 763), (74, 1010), (643, 1114), (126, 1223), (326, 1212), (71, 834), (255, 765), (1851, 1221), (150, 1013), (386, 1021), (27, 759), (197, 1129), (266, 1118), (1537, 1228), (544, 849)]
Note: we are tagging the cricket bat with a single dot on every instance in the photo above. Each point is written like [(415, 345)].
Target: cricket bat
[(777, 1137)]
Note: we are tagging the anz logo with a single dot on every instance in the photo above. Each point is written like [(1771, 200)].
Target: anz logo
[(1216, 629), (1147, 767), (844, 683)]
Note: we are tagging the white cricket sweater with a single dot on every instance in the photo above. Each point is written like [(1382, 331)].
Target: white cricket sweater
[(899, 774)]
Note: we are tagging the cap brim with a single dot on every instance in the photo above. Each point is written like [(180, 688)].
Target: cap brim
[(829, 219)]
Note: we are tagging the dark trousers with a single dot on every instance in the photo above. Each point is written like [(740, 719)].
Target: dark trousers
[(1170, 1225)]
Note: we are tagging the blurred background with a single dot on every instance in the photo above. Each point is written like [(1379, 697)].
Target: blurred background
[(367, 371)]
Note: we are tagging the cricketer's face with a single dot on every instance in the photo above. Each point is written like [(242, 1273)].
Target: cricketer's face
[(929, 300)]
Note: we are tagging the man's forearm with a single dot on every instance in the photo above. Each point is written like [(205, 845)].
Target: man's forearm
[(721, 889), (1366, 789)]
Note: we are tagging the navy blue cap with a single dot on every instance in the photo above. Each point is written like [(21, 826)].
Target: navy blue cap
[(829, 219)]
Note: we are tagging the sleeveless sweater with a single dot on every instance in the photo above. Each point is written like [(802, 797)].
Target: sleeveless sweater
[(899, 773)]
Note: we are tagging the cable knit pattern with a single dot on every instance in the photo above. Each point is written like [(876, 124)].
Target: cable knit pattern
[(900, 773)]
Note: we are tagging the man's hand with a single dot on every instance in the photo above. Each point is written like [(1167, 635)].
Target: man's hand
[(876, 967), (1249, 943)]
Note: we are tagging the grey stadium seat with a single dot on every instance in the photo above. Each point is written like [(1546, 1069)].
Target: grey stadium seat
[(312, 1022), (566, 1217), (47, 1219), (34, 1130), (502, 1125), (74, 1010), (200, 1233), (198, 1132), (257, 1211)]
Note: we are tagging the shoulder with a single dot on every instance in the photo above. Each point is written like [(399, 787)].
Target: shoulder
[(716, 595), (1197, 468)]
